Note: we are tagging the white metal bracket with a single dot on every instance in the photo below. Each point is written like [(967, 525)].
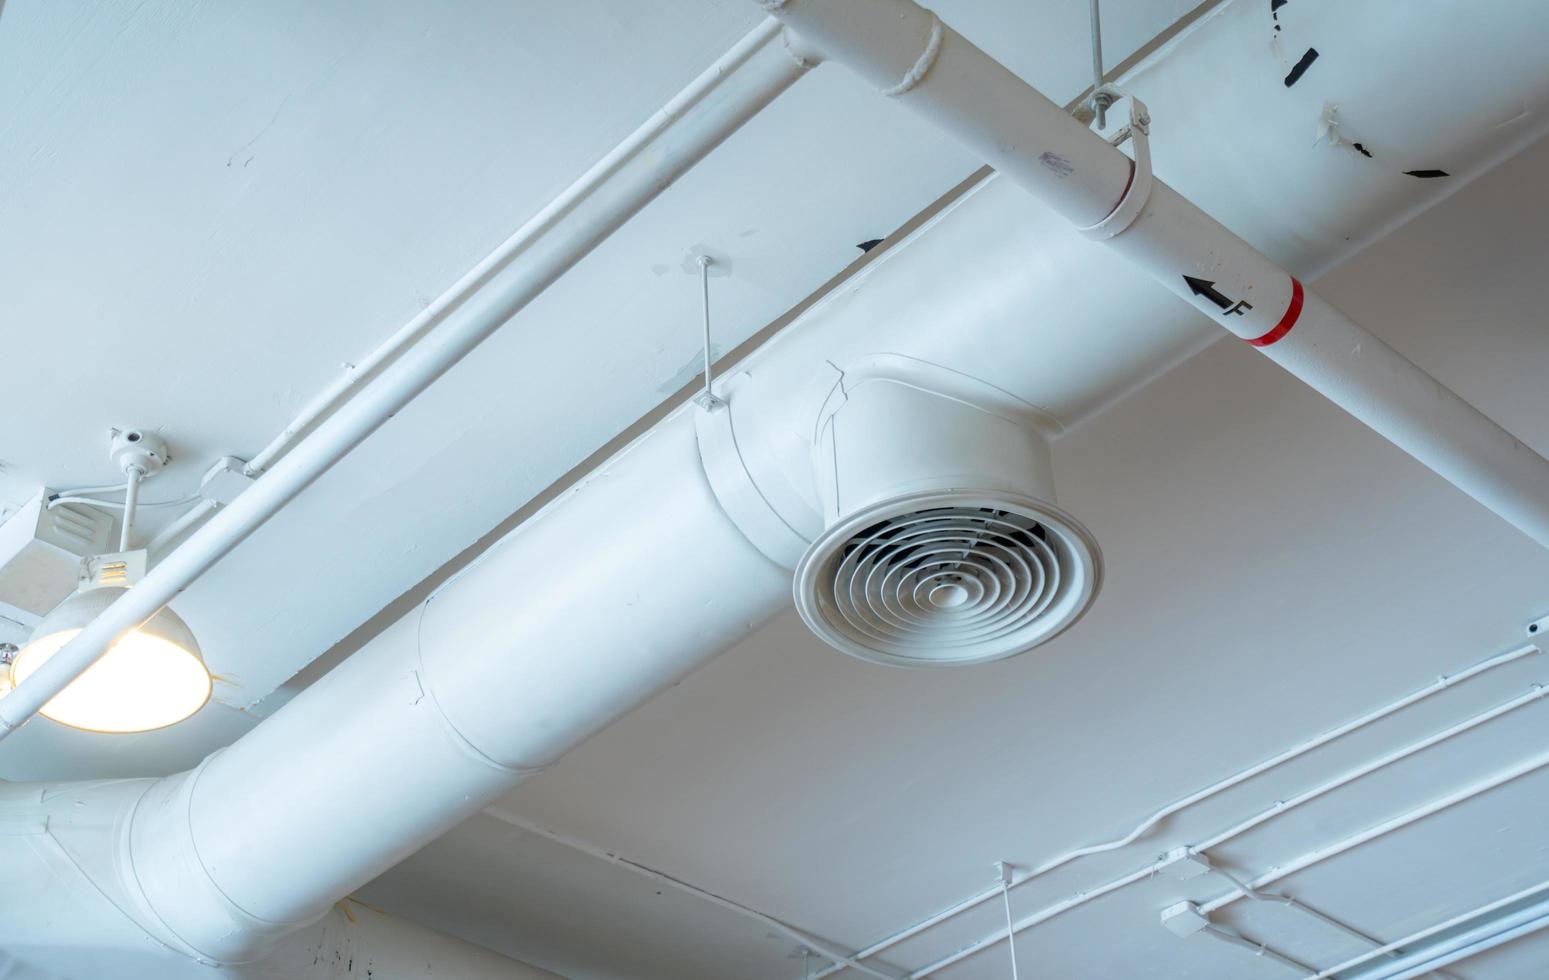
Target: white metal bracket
[(734, 486), (1138, 131)]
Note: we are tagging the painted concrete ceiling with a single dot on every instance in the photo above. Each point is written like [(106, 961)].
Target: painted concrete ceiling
[(206, 209)]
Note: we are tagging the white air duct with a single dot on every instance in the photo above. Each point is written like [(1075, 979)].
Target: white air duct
[(684, 542)]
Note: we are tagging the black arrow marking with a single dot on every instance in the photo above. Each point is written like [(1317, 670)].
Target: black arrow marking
[(1207, 289)]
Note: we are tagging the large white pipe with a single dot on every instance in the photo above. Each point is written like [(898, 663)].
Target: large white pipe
[(1411, 942), (62, 924), (613, 592), (1471, 942), (697, 120), (908, 53)]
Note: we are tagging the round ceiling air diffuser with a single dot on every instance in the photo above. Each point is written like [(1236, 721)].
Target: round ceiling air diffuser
[(947, 578)]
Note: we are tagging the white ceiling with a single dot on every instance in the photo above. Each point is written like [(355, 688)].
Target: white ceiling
[(217, 204)]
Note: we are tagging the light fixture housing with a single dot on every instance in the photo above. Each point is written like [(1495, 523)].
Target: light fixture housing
[(152, 677)]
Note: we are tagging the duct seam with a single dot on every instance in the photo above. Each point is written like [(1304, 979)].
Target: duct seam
[(52, 850), (916, 74), (738, 492), (427, 690), (188, 844)]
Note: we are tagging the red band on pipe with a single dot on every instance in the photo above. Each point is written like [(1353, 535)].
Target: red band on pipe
[(1286, 322)]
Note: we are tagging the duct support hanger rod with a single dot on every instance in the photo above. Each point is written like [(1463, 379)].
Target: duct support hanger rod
[(1100, 100), (910, 55), (706, 399)]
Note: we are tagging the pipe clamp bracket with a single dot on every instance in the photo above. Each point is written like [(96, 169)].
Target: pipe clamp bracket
[(1138, 131)]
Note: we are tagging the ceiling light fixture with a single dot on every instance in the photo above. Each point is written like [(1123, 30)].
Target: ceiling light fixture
[(154, 675)]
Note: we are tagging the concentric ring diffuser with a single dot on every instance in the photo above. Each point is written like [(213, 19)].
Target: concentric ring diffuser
[(948, 578)]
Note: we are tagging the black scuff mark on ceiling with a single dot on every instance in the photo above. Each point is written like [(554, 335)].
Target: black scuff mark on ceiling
[(1427, 174), (1362, 150), (869, 244), (1300, 68)]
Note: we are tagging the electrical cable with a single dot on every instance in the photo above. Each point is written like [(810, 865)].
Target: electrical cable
[(55, 501), (1011, 928)]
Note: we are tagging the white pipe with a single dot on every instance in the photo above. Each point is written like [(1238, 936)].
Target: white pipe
[(185, 521), (519, 658), (1286, 901), (1440, 684), (1257, 949), (1536, 693), (355, 375), (742, 82), (1429, 931), (1310, 858), (134, 475), (1485, 936), (908, 53)]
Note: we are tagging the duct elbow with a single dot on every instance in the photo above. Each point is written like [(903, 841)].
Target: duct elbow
[(925, 533)]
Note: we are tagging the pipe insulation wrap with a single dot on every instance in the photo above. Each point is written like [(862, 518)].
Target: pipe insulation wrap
[(1073, 170)]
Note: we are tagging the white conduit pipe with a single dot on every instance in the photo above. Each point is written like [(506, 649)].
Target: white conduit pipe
[(131, 503), (1307, 860), (742, 82), (1426, 933), (342, 388), (908, 53), (1286, 901), (1261, 950), (1538, 692), (1472, 943), (185, 522), (1220, 786)]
